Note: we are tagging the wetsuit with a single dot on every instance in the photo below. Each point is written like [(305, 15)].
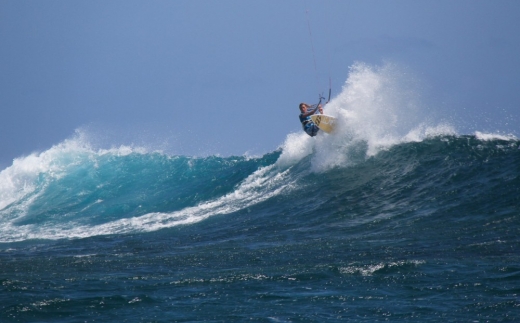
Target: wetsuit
[(309, 126)]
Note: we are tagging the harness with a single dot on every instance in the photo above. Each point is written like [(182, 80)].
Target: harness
[(306, 121), (309, 126)]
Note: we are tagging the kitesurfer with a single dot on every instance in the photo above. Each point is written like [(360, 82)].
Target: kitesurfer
[(305, 118)]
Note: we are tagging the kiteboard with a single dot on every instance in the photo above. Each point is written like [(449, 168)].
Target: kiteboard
[(324, 122)]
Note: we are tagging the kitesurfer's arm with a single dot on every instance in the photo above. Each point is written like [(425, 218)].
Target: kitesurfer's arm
[(304, 107)]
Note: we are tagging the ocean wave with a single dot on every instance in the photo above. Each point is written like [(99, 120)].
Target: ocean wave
[(382, 144)]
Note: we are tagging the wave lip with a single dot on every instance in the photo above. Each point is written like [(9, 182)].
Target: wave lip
[(493, 136)]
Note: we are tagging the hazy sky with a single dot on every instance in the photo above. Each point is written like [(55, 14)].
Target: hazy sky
[(225, 77)]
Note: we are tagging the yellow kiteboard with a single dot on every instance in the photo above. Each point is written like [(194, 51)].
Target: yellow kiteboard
[(324, 122)]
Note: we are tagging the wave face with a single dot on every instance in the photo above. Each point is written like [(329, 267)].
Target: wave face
[(388, 219), (74, 192)]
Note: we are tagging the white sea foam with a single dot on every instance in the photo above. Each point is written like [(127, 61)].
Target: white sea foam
[(423, 131), (377, 108), (369, 270), (23, 177), (295, 148), (493, 136)]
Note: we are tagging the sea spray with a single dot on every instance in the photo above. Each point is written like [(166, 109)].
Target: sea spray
[(378, 107)]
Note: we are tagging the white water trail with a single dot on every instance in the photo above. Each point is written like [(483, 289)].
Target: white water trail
[(259, 186)]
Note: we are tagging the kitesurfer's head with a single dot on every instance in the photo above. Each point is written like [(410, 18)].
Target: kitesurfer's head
[(303, 107)]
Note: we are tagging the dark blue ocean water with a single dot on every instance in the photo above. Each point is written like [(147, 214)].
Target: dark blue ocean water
[(423, 231)]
